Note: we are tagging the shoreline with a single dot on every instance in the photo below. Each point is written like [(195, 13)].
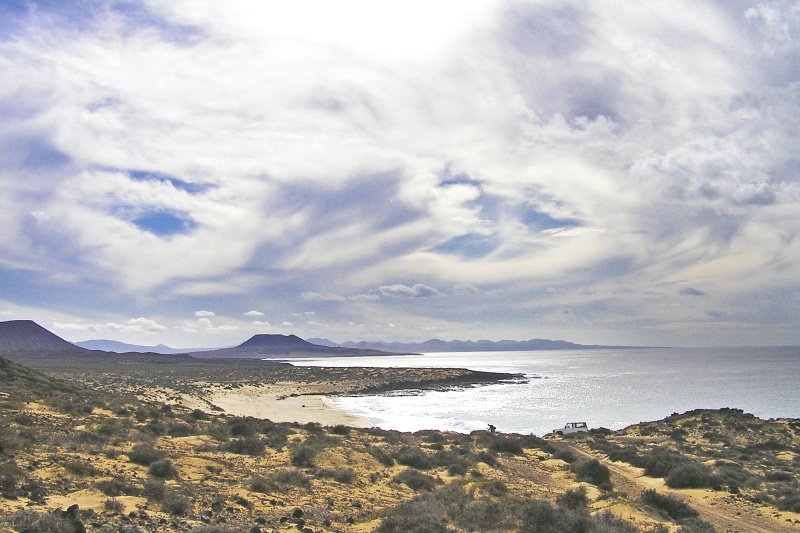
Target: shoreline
[(283, 403)]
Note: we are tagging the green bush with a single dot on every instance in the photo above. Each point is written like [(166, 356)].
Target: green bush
[(691, 475), (592, 471), (246, 446), (291, 476), (115, 487), (79, 468), (381, 455), (175, 503), (416, 480), (340, 475), (153, 490), (303, 456), (33, 522), (162, 469), (502, 444), (573, 499), (340, 429), (673, 507), (10, 477), (145, 454), (113, 505), (566, 455), (413, 457)]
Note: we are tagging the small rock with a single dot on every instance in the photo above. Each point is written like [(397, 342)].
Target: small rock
[(297, 513), (204, 518), (261, 520)]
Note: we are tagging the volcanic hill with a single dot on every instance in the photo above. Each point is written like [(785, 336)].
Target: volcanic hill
[(27, 335), (273, 345)]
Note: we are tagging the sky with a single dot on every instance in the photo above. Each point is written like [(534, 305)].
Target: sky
[(194, 172)]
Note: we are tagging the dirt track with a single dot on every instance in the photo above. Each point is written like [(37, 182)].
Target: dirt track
[(725, 514)]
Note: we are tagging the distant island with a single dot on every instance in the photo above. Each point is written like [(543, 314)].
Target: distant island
[(437, 345), (26, 335)]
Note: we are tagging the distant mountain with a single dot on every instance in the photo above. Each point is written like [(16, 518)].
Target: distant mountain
[(122, 347), (274, 346), (27, 335), (437, 345)]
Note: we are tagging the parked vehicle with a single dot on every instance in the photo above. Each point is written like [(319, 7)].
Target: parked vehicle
[(572, 427)]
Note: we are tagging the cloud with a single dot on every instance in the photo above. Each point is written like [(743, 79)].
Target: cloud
[(326, 297), (689, 291), (253, 313), (364, 297), (133, 325), (260, 323), (398, 290), (591, 147), (286, 323), (204, 313)]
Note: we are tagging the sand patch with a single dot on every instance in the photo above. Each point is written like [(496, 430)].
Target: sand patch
[(274, 402)]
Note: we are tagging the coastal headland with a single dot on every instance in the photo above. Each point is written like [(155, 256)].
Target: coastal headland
[(121, 445)]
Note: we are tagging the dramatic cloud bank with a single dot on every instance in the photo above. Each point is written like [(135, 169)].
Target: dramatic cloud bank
[(497, 169)]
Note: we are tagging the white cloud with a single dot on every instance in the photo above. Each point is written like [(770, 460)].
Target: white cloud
[(645, 149), (253, 313), (320, 297), (419, 290), (204, 313)]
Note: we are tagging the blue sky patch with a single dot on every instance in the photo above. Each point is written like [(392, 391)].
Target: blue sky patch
[(469, 246), (191, 188), (542, 221), (163, 224)]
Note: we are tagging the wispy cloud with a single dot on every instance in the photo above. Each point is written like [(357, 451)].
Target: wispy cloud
[(182, 155)]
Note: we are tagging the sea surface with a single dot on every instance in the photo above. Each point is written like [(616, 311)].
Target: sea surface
[(609, 388)]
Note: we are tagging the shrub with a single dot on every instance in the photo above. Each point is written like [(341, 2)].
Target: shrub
[(495, 487), (382, 456), (260, 484), (115, 487), (457, 469), (573, 499), (175, 503), (10, 476), (162, 469), (243, 427), (413, 457), (691, 475), (291, 476), (33, 522), (505, 445), (779, 475), (659, 463), (246, 446), (303, 456), (340, 429), (416, 480), (145, 454), (488, 457), (695, 525), (593, 472), (483, 515), (113, 505), (153, 489), (340, 475), (79, 468), (674, 507), (566, 455)]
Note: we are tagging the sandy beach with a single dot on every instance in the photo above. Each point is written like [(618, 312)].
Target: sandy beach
[(282, 404)]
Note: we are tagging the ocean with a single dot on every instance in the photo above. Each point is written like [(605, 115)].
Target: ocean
[(605, 388)]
